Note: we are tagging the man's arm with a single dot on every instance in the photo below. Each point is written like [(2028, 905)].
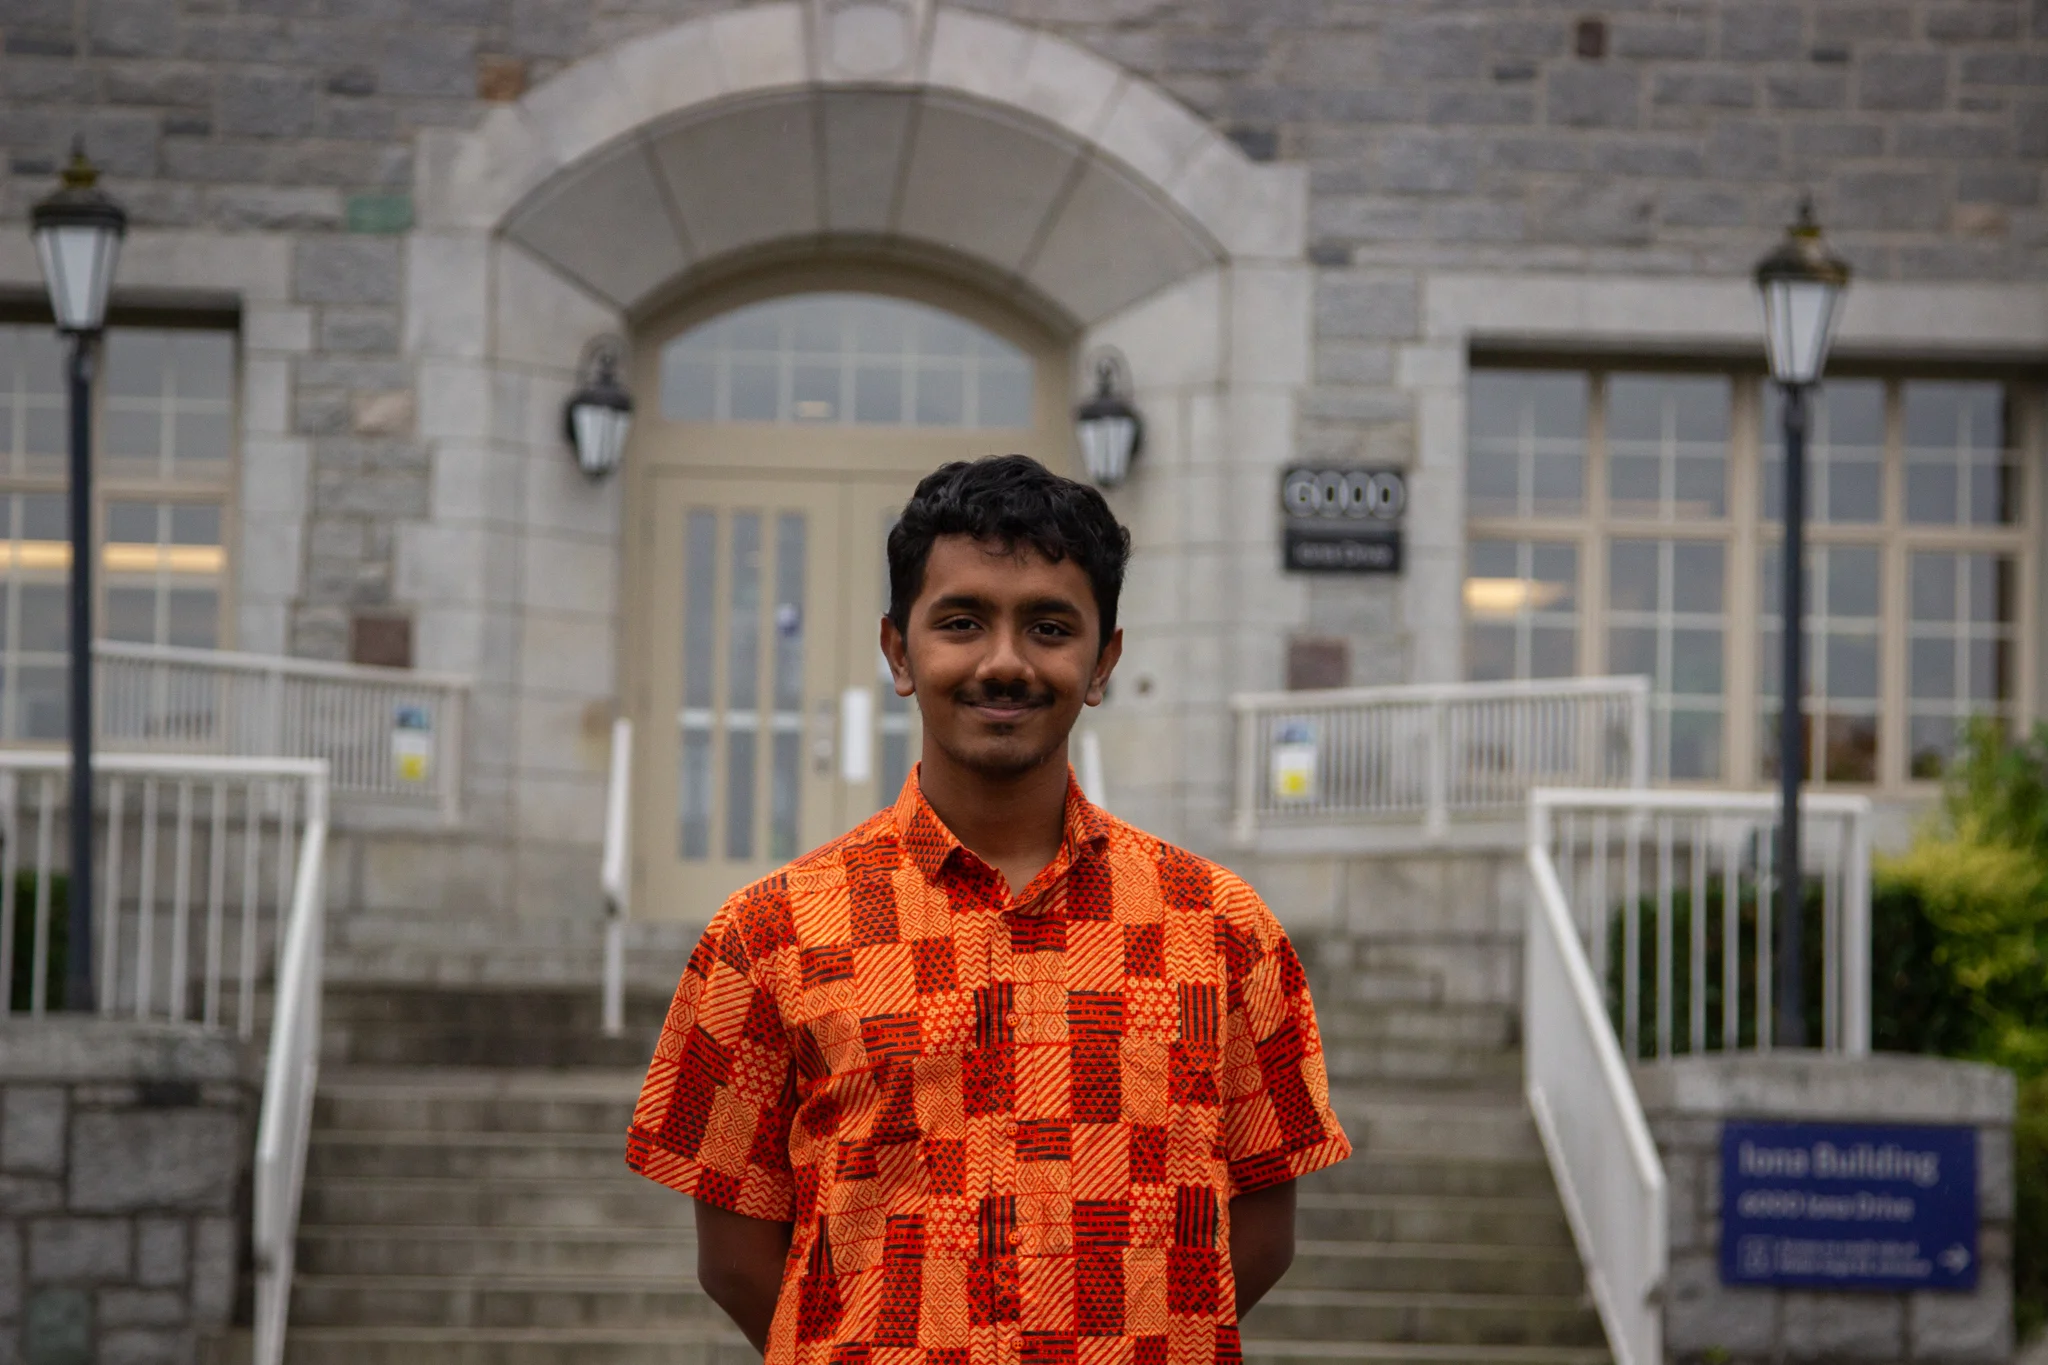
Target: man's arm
[(739, 1264), (1261, 1241)]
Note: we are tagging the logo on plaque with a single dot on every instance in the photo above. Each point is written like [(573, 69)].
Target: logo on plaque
[(1342, 520)]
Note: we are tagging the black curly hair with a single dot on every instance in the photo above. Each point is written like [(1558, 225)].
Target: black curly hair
[(1009, 500)]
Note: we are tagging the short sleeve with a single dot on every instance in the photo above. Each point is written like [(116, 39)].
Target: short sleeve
[(713, 1118), (1277, 1120)]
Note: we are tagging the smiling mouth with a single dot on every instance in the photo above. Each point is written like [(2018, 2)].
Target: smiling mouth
[(1004, 710)]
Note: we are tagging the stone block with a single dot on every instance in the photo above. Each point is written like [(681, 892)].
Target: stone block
[(266, 104), (1964, 1327), (1801, 88), (160, 1251), (1975, 23), (1744, 150), (359, 330), (268, 208), (1659, 39), (1902, 81), (80, 1250), (146, 1346), (1367, 307), (1434, 48), (428, 61), (153, 1159), (335, 269), (213, 1270), (10, 1272), (1834, 141), (21, 1194), (1593, 97), (1702, 1318), (125, 1307), (2013, 186), (134, 28), (1843, 1326), (57, 1328), (1481, 107), (1888, 200), (32, 1129), (1707, 89)]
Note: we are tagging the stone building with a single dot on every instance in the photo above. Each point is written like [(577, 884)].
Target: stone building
[(1502, 247)]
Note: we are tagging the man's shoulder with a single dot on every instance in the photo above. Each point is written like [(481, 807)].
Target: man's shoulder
[(1184, 875)]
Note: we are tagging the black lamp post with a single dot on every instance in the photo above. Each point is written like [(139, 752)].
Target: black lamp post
[(78, 233), (1801, 284), (599, 414), (1110, 430)]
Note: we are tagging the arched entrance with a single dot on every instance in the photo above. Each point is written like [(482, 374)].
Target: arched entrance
[(999, 175), (791, 416)]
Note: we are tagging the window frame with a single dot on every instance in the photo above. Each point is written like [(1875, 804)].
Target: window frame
[(107, 488), (1746, 534)]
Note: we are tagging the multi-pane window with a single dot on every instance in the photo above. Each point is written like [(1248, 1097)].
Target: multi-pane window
[(845, 360), (163, 423), (1637, 515)]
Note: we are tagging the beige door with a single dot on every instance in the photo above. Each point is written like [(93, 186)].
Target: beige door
[(790, 432)]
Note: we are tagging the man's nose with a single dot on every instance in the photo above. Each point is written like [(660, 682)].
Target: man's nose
[(1005, 658)]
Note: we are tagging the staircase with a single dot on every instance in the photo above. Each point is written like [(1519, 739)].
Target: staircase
[(467, 1201)]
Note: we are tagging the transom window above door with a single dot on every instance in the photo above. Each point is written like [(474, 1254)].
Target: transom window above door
[(846, 359)]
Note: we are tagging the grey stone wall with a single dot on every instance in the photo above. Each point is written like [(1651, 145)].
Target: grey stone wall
[(1687, 1100), (1673, 136), (124, 1163)]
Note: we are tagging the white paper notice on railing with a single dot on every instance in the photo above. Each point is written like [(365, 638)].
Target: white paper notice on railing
[(412, 744), (1294, 762)]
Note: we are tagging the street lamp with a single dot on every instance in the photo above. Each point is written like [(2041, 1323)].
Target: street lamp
[(78, 233), (1110, 430), (1801, 283), (599, 414)]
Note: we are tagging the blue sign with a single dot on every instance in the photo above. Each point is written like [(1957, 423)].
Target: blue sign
[(1848, 1206)]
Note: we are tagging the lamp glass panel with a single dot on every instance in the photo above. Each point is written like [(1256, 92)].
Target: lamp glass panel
[(1799, 316), (600, 436), (1106, 447), (78, 266)]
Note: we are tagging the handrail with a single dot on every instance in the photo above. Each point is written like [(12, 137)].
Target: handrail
[(291, 1077), (391, 737), (252, 832), (614, 876), (1431, 753), (1628, 886), (1594, 1134)]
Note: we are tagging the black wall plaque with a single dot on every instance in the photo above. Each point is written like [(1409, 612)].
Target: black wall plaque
[(1342, 520)]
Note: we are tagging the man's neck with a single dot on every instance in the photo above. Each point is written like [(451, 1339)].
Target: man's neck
[(1013, 824)]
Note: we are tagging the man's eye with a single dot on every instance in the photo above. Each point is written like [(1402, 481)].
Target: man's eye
[(1052, 628), (959, 623)]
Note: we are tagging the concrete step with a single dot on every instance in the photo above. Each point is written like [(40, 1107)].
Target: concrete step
[(1445, 1318), (1431, 1063), (455, 1249), (671, 1345), (1416, 1267), (1482, 1026), (1454, 1122), (1492, 1220), (466, 1156), (552, 1302), (534, 1206), (472, 1100), (1262, 1350), (1425, 1173)]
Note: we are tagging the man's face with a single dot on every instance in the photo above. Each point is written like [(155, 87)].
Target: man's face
[(1002, 653)]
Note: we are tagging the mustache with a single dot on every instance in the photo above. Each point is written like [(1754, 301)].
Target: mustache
[(1003, 694)]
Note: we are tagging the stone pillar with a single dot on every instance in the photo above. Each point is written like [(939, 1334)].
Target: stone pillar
[(1687, 1100), (124, 1188)]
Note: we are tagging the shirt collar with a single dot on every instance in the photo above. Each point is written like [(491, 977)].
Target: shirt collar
[(931, 845)]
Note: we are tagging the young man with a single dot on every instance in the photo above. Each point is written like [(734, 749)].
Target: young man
[(995, 1077)]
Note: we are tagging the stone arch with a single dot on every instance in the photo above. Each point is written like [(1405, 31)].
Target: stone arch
[(1130, 222), (1059, 173)]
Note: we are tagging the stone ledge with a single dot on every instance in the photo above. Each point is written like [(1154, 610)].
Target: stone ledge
[(1875, 1089), (71, 1050)]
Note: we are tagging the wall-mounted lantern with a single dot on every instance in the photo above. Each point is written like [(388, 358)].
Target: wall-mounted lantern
[(599, 414), (1109, 427)]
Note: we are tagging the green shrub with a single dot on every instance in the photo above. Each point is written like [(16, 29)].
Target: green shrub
[(1960, 959), (25, 938)]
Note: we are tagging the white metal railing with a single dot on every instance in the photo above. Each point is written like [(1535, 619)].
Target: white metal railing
[(212, 887), (1434, 752), (1635, 896), (615, 877), (390, 735)]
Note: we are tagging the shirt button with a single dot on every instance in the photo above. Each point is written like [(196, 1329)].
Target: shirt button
[(1010, 1019), (1009, 1127), (1016, 1239)]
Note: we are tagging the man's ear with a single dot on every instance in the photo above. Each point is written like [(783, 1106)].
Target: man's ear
[(1105, 664), (897, 651)]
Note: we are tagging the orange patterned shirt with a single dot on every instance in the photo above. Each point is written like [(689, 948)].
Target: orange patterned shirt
[(1007, 1128)]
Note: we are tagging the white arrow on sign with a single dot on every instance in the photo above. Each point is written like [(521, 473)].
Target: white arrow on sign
[(1955, 1259)]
